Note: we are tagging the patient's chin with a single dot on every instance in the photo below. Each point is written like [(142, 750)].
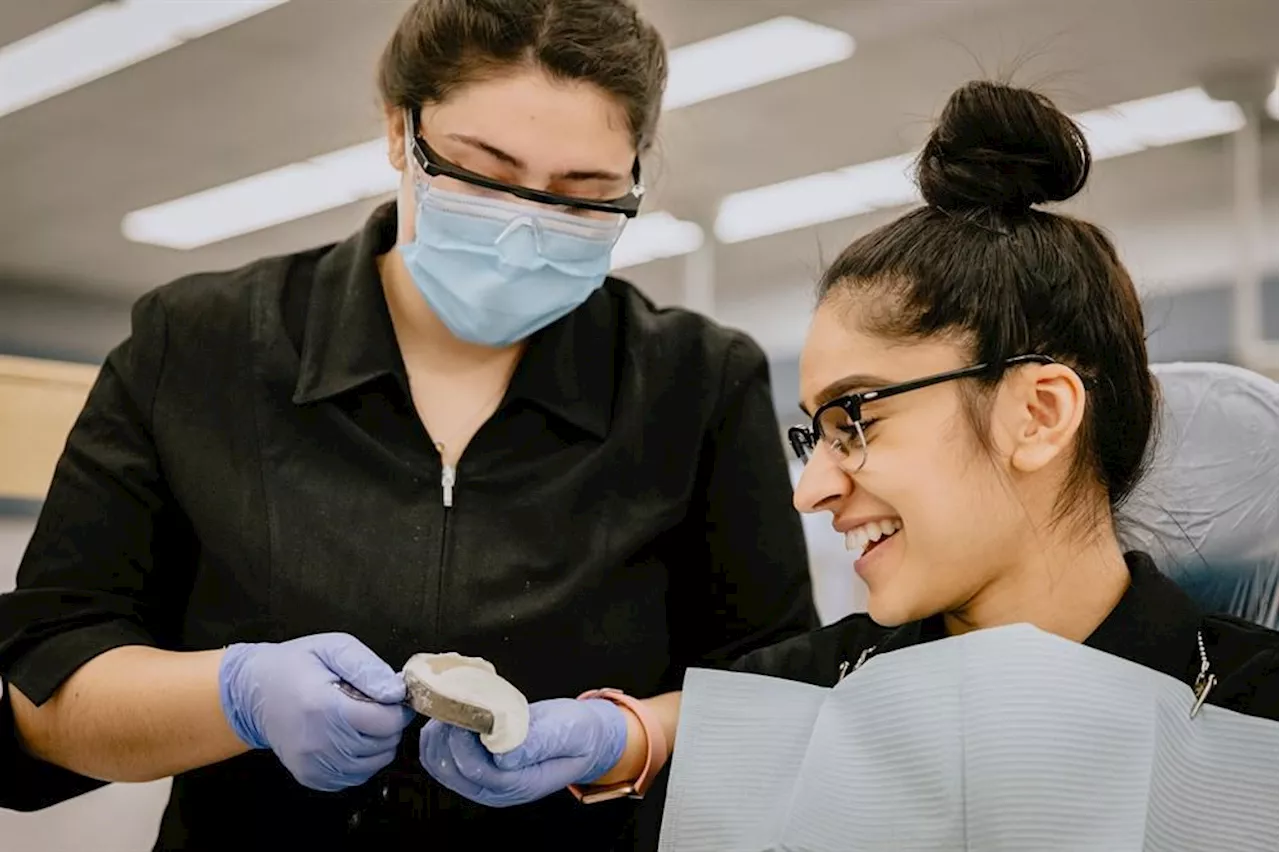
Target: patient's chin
[(886, 611)]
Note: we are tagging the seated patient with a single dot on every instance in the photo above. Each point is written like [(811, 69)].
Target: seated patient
[(980, 402)]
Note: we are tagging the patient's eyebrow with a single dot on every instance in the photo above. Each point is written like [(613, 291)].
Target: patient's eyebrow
[(843, 387)]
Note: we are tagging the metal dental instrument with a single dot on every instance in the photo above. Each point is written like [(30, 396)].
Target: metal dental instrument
[(426, 701)]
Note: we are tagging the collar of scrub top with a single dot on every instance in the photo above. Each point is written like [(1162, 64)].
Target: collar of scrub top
[(434, 164), (347, 340)]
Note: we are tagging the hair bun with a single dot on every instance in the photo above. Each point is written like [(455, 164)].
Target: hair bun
[(1001, 148)]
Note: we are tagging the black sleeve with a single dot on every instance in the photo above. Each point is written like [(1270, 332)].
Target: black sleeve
[(755, 588), (28, 784), (109, 562)]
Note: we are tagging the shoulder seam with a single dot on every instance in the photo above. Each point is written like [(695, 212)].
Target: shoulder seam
[(163, 359)]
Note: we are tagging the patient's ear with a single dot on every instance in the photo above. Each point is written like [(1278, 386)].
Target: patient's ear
[(1043, 406)]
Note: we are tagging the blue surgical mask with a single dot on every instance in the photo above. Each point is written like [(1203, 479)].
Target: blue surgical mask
[(496, 271)]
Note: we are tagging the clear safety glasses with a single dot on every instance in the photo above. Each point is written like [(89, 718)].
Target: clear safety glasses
[(838, 424), (458, 186)]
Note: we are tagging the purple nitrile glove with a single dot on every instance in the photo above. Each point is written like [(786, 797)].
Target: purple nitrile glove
[(569, 742), (285, 697)]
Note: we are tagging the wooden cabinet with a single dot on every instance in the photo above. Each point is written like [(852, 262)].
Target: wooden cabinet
[(39, 402)]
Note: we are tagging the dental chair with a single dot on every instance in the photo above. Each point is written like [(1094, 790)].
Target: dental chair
[(1207, 510)]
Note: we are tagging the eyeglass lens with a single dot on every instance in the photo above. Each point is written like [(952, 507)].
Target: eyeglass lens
[(838, 432)]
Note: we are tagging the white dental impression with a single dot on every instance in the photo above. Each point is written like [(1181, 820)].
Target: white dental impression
[(857, 539), (472, 682)]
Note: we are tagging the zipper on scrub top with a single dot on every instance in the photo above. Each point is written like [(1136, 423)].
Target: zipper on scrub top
[(448, 476)]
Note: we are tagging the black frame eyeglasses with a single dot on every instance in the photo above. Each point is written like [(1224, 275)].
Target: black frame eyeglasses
[(839, 420), (434, 165)]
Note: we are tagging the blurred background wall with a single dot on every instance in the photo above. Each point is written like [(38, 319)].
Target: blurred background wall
[(139, 143)]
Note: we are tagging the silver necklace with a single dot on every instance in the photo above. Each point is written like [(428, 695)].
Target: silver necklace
[(1205, 680), (845, 668)]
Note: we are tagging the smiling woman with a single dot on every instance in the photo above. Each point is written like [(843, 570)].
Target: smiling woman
[(442, 434), (999, 338)]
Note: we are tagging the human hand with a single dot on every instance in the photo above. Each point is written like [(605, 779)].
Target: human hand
[(569, 742), (285, 697)]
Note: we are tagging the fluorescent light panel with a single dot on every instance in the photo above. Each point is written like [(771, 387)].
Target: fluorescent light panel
[(1112, 132), (270, 198), (1156, 122), (811, 200), (654, 236), (106, 38), (727, 63), (751, 56)]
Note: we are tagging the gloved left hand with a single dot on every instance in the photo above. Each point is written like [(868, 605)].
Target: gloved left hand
[(569, 742)]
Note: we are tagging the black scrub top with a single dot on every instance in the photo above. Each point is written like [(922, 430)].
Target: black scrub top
[(249, 467), (1154, 624)]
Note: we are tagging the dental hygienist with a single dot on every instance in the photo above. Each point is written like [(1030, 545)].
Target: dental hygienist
[(452, 432)]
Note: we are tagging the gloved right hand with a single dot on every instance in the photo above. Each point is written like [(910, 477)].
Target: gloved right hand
[(569, 742), (285, 697)]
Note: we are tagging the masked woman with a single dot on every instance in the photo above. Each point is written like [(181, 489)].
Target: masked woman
[(452, 431)]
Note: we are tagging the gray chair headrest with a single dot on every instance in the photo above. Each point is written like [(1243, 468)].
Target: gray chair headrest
[(1207, 510)]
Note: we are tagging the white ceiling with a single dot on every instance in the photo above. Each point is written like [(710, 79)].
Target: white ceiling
[(296, 81), (18, 20)]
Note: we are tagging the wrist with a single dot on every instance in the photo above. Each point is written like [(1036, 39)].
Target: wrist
[(650, 739), (633, 753), (613, 745), (230, 695)]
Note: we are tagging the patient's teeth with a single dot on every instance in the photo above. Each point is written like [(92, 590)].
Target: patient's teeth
[(858, 539)]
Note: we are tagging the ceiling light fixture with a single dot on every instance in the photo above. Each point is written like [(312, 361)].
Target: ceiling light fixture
[(1121, 129), (814, 199), (751, 56), (270, 198), (106, 38), (1157, 121), (655, 236)]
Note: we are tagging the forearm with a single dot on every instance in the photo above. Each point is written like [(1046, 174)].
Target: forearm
[(131, 714), (666, 710)]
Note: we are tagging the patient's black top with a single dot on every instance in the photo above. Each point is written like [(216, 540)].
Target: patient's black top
[(1154, 624)]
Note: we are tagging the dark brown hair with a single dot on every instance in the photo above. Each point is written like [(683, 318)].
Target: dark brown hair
[(442, 45), (981, 263)]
